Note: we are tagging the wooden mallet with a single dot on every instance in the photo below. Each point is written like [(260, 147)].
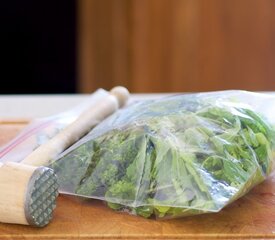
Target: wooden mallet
[(29, 189)]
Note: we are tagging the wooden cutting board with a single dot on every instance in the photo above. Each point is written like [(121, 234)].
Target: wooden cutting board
[(252, 216)]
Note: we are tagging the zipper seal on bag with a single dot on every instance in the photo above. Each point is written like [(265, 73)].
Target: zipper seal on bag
[(22, 138)]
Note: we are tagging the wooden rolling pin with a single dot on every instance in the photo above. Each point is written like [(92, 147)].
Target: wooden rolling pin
[(29, 189)]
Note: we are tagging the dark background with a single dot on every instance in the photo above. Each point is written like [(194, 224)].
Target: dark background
[(38, 46)]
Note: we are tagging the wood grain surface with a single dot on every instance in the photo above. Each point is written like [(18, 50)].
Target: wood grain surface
[(251, 217), (176, 45)]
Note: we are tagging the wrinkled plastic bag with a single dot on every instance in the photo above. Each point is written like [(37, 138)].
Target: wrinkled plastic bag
[(177, 156), (40, 130)]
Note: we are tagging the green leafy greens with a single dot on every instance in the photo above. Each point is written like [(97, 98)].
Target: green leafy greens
[(174, 157)]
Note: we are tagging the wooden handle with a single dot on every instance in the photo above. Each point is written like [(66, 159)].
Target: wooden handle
[(87, 120)]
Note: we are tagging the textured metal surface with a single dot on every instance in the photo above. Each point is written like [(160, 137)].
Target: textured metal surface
[(41, 197)]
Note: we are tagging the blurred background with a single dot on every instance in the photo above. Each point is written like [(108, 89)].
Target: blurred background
[(77, 46)]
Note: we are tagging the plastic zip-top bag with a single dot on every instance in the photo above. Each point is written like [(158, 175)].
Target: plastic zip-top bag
[(177, 156)]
